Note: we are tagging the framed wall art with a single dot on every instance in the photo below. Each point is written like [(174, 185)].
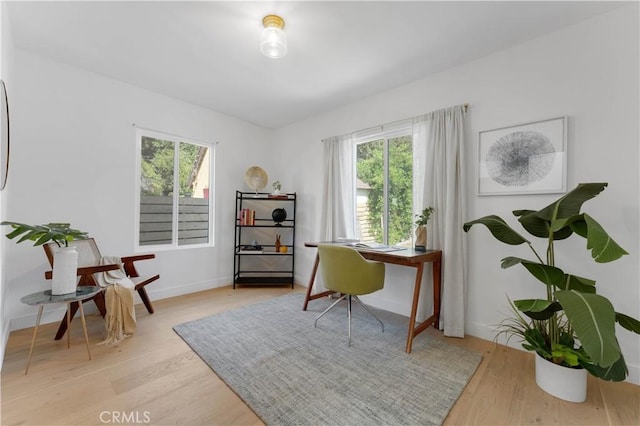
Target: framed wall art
[(4, 136), (528, 158)]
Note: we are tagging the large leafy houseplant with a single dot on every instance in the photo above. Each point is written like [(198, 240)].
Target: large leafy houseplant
[(573, 326), (60, 233)]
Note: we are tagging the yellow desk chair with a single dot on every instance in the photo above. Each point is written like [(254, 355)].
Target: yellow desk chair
[(345, 271)]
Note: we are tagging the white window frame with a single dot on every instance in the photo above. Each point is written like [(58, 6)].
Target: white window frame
[(386, 132), (140, 132)]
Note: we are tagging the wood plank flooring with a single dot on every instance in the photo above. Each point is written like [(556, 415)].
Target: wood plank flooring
[(155, 378)]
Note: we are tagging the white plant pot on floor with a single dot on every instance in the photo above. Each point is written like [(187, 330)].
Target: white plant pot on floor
[(65, 265), (569, 384)]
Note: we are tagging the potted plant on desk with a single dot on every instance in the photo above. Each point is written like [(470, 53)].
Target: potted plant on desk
[(421, 231), (572, 330), (65, 258)]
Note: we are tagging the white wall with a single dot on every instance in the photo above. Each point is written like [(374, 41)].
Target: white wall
[(73, 160), (588, 72), (6, 62)]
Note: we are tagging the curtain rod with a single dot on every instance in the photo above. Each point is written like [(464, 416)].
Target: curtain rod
[(465, 106)]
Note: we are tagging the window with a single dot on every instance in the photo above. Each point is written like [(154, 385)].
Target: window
[(175, 199), (384, 185)]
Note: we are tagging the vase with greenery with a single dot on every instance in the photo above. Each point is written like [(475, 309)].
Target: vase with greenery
[(65, 258), (421, 228), (277, 186), (572, 326)]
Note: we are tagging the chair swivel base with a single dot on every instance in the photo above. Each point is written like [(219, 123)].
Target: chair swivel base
[(349, 298)]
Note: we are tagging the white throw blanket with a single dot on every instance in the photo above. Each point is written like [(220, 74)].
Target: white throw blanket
[(120, 319)]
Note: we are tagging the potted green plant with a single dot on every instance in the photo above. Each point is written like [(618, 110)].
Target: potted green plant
[(421, 228), (572, 326), (60, 233), (65, 258), (277, 186)]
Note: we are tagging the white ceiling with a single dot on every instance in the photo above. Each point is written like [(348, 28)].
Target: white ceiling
[(207, 53)]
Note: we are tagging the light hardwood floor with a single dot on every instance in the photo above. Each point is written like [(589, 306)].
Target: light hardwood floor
[(155, 378)]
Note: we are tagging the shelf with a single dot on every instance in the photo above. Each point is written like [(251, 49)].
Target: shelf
[(265, 226), (264, 230), (268, 253), (264, 280)]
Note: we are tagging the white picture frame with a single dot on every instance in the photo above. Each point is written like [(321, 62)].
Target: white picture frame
[(529, 158)]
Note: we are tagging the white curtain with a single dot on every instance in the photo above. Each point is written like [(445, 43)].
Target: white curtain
[(338, 208), (439, 181)]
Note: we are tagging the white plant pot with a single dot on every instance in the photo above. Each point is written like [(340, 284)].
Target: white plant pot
[(65, 265), (569, 384)]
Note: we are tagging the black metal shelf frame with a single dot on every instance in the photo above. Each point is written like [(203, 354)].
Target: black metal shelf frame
[(263, 276)]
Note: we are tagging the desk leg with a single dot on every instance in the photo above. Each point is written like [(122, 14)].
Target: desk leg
[(33, 340), (69, 324), (311, 281), (414, 306), (309, 297), (436, 292), (84, 328)]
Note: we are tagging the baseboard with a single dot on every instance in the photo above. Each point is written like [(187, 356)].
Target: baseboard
[(166, 292)]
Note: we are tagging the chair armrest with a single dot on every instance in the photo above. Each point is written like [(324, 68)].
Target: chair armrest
[(129, 267)]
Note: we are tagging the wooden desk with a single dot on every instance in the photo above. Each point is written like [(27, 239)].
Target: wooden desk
[(409, 257)]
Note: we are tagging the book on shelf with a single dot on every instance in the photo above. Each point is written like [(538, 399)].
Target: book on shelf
[(278, 196), (247, 217), (250, 251)]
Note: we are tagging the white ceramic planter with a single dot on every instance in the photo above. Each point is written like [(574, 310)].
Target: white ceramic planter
[(65, 265), (569, 384)]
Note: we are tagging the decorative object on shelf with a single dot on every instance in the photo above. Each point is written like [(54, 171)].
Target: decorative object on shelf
[(274, 39), (256, 178), (65, 258), (528, 158), (276, 187), (279, 215), (278, 244), (421, 231), (284, 249), (573, 327), (4, 136)]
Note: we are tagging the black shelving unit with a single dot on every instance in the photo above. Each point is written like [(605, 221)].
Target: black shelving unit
[(269, 267)]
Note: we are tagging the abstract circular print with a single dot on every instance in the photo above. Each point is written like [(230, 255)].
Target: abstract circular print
[(520, 158)]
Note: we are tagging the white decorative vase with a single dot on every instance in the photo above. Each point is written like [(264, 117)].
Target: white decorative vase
[(65, 265), (569, 384)]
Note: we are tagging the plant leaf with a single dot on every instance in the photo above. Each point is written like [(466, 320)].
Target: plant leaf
[(539, 227), (617, 372), (574, 282), (550, 275), (499, 229), (537, 309), (603, 247), (593, 320), (571, 203), (627, 322)]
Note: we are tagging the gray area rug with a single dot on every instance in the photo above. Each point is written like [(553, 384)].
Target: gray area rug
[(291, 373)]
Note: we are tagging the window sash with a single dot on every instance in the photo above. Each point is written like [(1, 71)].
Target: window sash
[(176, 198), (385, 133)]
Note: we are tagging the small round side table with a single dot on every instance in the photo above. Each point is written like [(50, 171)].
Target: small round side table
[(42, 298)]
